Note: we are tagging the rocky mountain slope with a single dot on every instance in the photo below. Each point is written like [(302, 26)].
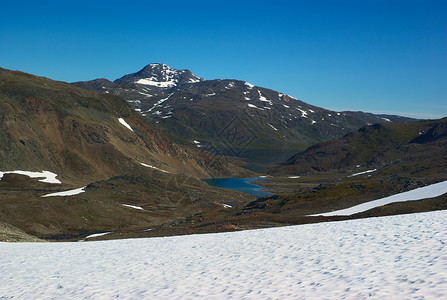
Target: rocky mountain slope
[(372, 163), (377, 146), (95, 141), (81, 135), (230, 117), (9, 233)]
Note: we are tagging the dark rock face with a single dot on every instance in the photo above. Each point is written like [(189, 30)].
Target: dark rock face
[(437, 132)]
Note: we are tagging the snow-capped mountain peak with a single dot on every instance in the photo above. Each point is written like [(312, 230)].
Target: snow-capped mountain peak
[(160, 75)]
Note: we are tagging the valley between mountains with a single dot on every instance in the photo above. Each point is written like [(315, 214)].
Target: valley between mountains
[(109, 160)]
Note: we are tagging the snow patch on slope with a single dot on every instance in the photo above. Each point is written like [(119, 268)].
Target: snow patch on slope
[(145, 94), (254, 106), (364, 172), (230, 85), (67, 193), (159, 103), (124, 123), (152, 167), (249, 85), (264, 99), (152, 82), (97, 234), (133, 206), (430, 191), (273, 127), (197, 144), (303, 113), (48, 177)]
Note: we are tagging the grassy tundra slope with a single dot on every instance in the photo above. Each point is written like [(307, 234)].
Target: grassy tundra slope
[(95, 141)]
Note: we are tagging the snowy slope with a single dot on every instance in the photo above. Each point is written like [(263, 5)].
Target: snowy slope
[(399, 257), (429, 191)]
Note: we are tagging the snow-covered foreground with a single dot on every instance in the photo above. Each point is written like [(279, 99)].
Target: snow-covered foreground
[(429, 191), (397, 257)]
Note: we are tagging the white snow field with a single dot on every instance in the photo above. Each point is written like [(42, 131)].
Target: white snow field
[(429, 191), (396, 257)]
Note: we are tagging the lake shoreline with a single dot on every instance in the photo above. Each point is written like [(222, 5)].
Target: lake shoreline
[(240, 184)]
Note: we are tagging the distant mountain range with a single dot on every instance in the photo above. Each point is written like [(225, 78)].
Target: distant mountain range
[(131, 178), (230, 117)]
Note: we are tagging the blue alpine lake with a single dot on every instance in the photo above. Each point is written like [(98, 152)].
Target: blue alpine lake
[(239, 184)]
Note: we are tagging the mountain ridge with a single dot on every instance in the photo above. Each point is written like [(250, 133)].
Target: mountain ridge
[(203, 110), (372, 146)]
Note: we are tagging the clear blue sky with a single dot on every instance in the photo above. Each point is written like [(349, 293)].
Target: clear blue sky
[(378, 56)]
